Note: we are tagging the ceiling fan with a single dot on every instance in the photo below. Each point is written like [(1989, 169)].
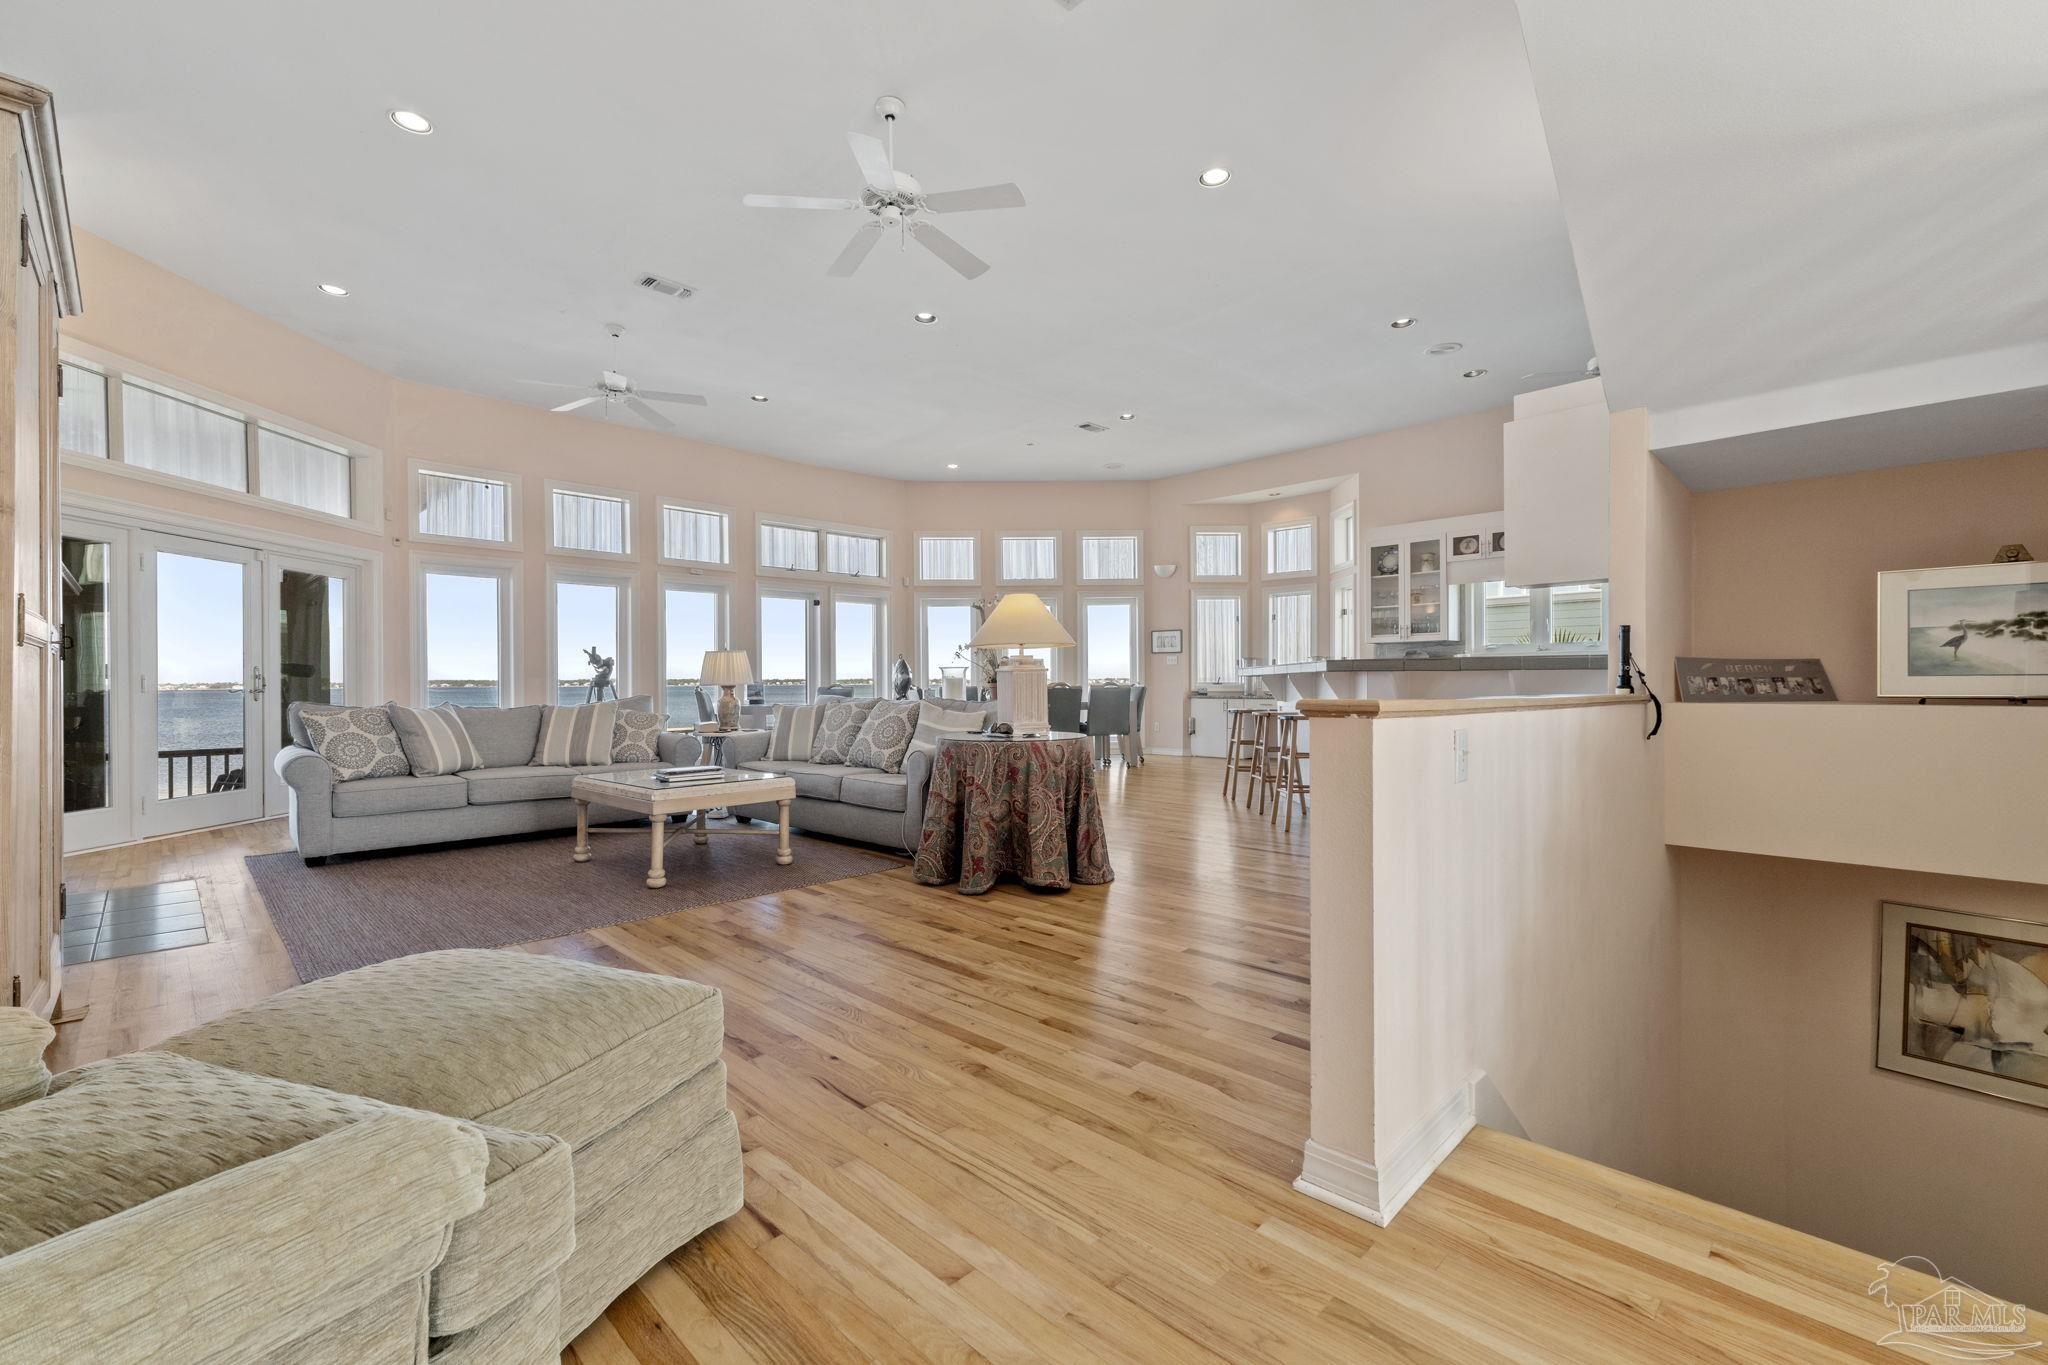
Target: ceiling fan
[(893, 199), (614, 387)]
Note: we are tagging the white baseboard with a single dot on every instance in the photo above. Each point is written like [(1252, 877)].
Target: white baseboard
[(1170, 753), (1377, 1192)]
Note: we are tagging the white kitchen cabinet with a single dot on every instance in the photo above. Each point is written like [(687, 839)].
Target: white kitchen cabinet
[(1209, 722), (1555, 471), (1408, 587)]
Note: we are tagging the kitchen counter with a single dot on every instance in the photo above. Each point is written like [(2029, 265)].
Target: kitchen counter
[(1441, 663), (1438, 676)]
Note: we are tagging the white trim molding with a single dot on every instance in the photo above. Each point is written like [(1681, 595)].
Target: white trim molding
[(1376, 1192)]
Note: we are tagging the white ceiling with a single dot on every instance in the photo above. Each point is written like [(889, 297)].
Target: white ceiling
[(1387, 160), (1766, 198)]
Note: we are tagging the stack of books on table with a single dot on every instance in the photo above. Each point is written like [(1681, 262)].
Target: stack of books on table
[(696, 775)]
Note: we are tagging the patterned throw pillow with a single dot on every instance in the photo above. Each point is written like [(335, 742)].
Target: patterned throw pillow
[(356, 741), (435, 740), (885, 736), (634, 736), (576, 736), (795, 732), (933, 721), (838, 727)]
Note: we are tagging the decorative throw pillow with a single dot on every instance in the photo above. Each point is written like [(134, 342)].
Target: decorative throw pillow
[(576, 736), (838, 726), (795, 732), (933, 721), (356, 741), (634, 736), (885, 736), (504, 736), (435, 740)]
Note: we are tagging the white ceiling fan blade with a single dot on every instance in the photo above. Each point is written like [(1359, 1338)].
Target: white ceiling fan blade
[(647, 414), (583, 402), (795, 201), (985, 197), (666, 396), (1067, 4), (949, 251), (874, 163), (856, 250)]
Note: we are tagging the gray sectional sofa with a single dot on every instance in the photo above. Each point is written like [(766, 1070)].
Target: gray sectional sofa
[(508, 795), (864, 804)]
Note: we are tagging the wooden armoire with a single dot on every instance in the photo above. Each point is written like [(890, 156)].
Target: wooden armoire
[(39, 285)]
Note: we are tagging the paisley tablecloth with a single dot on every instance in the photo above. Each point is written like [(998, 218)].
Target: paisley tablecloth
[(1026, 807)]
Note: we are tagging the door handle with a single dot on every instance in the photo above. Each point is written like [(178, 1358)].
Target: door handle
[(256, 687)]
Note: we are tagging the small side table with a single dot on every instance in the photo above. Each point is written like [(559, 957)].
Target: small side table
[(1025, 807)]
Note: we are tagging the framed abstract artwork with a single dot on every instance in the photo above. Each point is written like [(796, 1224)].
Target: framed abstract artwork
[(1979, 630), (1963, 999)]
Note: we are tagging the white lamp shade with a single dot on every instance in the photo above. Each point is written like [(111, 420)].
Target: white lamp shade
[(726, 668), (1021, 621)]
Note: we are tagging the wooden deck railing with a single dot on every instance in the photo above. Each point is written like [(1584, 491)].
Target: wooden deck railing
[(199, 776)]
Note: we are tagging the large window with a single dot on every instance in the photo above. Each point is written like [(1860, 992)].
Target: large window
[(1109, 558), (1291, 549), (859, 640), (590, 612), (1218, 642), (788, 645), (301, 472), (1031, 559), (1218, 552), (82, 411), (590, 521), (1569, 615), (945, 559), (465, 634), (464, 504), (1344, 617), (1291, 626), (1344, 535), (791, 549), (856, 554), (695, 535), (945, 625), (693, 623), (1109, 639)]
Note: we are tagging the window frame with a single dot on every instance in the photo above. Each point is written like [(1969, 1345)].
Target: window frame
[(1340, 648), (973, 578), (506, 572), (1266, 531), (817, 531), (814, 598), (1136, 601), (366, 462), (881, 539), (1295, 588), (1081, 538), (415, 469), (1195, 599), (925, 600), (828, 649), (661, 508), (721, 633), (1344, 548), (631, 552), (1472, 616), (625, 580), (1058, 558), (1243, 534)]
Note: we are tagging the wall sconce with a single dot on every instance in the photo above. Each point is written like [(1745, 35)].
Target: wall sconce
[(1164, 570)]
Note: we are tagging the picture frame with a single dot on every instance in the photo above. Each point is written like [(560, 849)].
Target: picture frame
[(1974, 630), (1468, 545), (1166, 642), (1938, 971), (1753, 680), (1497, 543)]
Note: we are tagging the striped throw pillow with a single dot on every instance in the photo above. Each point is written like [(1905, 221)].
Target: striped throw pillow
[(933, 721), (435, 740), (576, 736), (795, 728)]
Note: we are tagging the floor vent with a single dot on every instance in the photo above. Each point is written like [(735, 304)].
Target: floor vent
[(1096, 427), (132, 919), (663, 285)]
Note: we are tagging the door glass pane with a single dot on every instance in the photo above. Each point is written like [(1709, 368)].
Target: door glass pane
[(586, 622), (1385, 586), (690, 632), (948, 626), (1107, 627), (310, 631), (463, 658), (88, 715), (201, 673), (855, 628), (1425, 587), (785, 648)]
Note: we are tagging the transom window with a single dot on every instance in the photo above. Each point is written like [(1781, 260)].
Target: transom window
[(792, 549), (452, 504), (945, 559), (590, 521), (854, 554), (1291, 548), (1109, 558), (695, 535), (1218, 552), (1031, 559)]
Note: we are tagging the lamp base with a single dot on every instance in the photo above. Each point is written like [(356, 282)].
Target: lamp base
[(728, 709), (1020, 694)]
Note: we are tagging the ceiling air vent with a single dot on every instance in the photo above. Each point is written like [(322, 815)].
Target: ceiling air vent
[(662, 285), (1096, 427)]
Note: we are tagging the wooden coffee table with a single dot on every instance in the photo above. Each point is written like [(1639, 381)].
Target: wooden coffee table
[(660, 802)]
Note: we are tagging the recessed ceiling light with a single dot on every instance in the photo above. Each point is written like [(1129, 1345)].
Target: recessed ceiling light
[(1114, 464), (1214, 176), (926, 317), (335, 290), (952, 466), (1125, 416), (1400, 323), (1475, 374), (760, 397), (412, 122), (1272, 495), (1445, 348)]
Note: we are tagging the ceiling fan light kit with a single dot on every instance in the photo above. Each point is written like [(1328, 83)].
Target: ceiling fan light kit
[(893, 200)]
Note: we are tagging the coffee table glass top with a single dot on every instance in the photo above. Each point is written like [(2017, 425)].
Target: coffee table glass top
[(645, 780)]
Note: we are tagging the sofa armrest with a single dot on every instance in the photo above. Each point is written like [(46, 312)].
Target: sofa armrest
[(917, 781), (309, 783), (677, 749), (238, 1266), (304, 771), (747, 746)]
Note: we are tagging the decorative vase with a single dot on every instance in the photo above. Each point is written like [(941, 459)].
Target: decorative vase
[(899, 678), (953, 683)]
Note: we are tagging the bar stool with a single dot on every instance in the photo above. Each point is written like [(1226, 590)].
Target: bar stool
[(1265, 758), (1239, 749), (1292, 783)]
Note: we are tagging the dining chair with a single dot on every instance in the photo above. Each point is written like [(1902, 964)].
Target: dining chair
[(1109, 717), (1063, 708), (1137, 735), (707, 714), (836, 691)]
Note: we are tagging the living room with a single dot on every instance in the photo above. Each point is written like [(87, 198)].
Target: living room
[(943, 618)]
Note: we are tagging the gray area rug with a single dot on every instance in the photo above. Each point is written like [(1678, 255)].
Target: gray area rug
[(368, 907)]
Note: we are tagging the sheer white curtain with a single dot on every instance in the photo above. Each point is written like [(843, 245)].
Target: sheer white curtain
[(1108, 559), (82, 412), (471, 509), (858, 555), (182, 437), (945, 559), (302, 473), (690, 533), (789, 547), (1219, 554), (1291, 549), (1031, 559), (1292, 618), (1219, 640), (590, 521)]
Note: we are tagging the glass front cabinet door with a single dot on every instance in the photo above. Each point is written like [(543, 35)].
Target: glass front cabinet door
[(1388, 622), (1409, 586)]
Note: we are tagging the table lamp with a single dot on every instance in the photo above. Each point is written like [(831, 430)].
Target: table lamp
[(1021, 621), (727, 668)]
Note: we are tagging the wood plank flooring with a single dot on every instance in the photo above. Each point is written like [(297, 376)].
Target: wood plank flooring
[(1026, 1127)]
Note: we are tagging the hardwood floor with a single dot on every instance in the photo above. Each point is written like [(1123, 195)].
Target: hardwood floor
[(1028, 1127)]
